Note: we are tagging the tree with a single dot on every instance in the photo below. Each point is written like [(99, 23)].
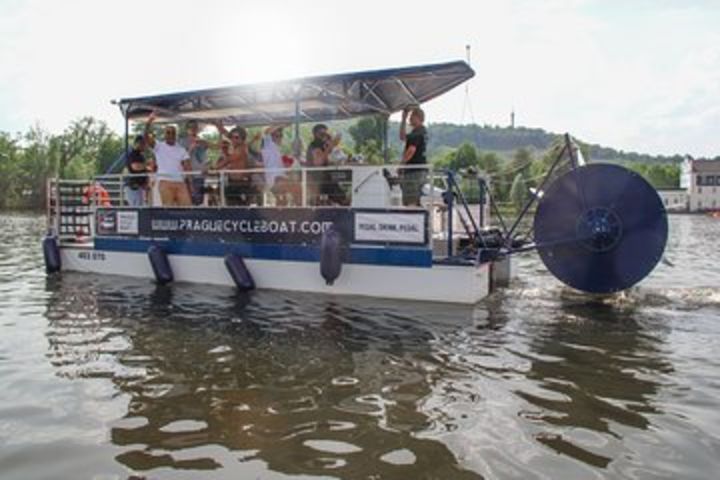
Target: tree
[(519, 191), (77, 149), (466, 156), (9, 170), (367, 134)]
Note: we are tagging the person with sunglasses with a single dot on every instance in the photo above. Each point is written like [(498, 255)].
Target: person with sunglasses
[(276, 178), (171, 162), (239, 187)]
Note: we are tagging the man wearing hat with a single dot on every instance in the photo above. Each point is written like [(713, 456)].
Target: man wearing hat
[(136, 184)]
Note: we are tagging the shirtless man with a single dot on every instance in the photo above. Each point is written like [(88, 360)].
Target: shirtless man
[(239, 189)]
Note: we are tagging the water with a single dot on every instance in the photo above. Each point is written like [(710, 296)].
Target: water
[(113, 378)]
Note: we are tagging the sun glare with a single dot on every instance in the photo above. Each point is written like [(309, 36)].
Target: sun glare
[(270, 45)]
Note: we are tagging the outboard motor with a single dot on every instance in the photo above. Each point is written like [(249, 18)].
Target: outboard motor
[(160, 265), (330, 255)]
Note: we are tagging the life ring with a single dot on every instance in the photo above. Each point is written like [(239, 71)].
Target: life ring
[(97, 193)]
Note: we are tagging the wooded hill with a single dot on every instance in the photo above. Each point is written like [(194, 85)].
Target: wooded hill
[(511, 156), (507, 139)]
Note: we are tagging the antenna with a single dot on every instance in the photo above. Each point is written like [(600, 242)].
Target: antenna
[(467, 104)]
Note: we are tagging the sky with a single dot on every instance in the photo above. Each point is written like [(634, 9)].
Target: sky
[(638, 75)]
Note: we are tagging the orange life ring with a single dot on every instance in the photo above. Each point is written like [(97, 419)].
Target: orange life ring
[(97, 193)]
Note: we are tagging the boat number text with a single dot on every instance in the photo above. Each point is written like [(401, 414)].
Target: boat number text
[(98, 256)]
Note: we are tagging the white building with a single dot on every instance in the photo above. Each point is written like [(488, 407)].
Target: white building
[(700, 179), (674, 199)]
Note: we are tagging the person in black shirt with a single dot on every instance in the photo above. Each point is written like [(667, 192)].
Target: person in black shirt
[(136, 185), (412, 179)]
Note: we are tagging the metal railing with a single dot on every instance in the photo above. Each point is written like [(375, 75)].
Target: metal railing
[(72, 203)]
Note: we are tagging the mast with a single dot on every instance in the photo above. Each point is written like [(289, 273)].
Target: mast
[(467, 104)]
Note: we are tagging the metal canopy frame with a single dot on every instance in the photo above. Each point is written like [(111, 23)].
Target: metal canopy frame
[(309, 99)]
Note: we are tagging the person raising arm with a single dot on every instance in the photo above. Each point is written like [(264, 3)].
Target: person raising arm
[(413, 179), (171, 161)]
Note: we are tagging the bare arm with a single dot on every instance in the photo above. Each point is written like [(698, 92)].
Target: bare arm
[(149, 140), (408, 153), (403, 124), (319, 156), (222, 163), (221, 129)]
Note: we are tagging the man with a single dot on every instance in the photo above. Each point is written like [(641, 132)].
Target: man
[(239, 188), (275, 172), (197, 149), (323, 188), (171, 161), (412, 179), (136, 184)]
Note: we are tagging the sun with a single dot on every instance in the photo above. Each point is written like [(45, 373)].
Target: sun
[(268, 45)]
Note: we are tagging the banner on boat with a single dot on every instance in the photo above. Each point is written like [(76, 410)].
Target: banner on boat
[(264, 225), (391, 227)]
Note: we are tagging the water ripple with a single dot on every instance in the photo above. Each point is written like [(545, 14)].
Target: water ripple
[(118, 378)]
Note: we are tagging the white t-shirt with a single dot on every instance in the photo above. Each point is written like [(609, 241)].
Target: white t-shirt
[(169, 160), (272, 161)]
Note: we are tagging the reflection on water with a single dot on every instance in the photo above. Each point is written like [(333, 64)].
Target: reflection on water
[(302, 385), (107, 377)]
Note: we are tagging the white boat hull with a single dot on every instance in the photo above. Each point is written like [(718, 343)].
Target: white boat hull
[(439, 283)]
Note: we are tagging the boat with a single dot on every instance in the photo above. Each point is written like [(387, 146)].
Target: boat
[(383, 249), (443, 250)]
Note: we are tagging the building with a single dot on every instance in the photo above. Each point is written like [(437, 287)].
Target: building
[(674, 199), (701, 181)]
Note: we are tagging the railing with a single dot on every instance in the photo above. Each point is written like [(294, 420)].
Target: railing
[(353, 185), (72, 203)]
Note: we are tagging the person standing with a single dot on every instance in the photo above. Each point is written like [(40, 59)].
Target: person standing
[(171, 162), (276, 178), (136, 184), (239, 188), (323, 189), (197, 148), (412, 179)]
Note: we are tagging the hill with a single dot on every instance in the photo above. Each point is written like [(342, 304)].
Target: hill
[(505, 140)]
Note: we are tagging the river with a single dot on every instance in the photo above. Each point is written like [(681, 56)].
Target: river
[(113, 378)]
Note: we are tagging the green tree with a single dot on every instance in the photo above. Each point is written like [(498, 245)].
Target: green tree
[(10, 168), (367, 134), (466, 156), (519, 191)]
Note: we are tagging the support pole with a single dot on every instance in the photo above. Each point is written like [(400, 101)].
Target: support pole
[(296, 142), (386, 125), (482, 200), (127, 133), (449, 199)]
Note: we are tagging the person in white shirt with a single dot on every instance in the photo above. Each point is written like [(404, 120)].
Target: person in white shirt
[(276, 178), (171, 160)]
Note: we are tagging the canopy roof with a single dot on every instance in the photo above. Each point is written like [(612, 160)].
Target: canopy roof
[(310, 99)]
